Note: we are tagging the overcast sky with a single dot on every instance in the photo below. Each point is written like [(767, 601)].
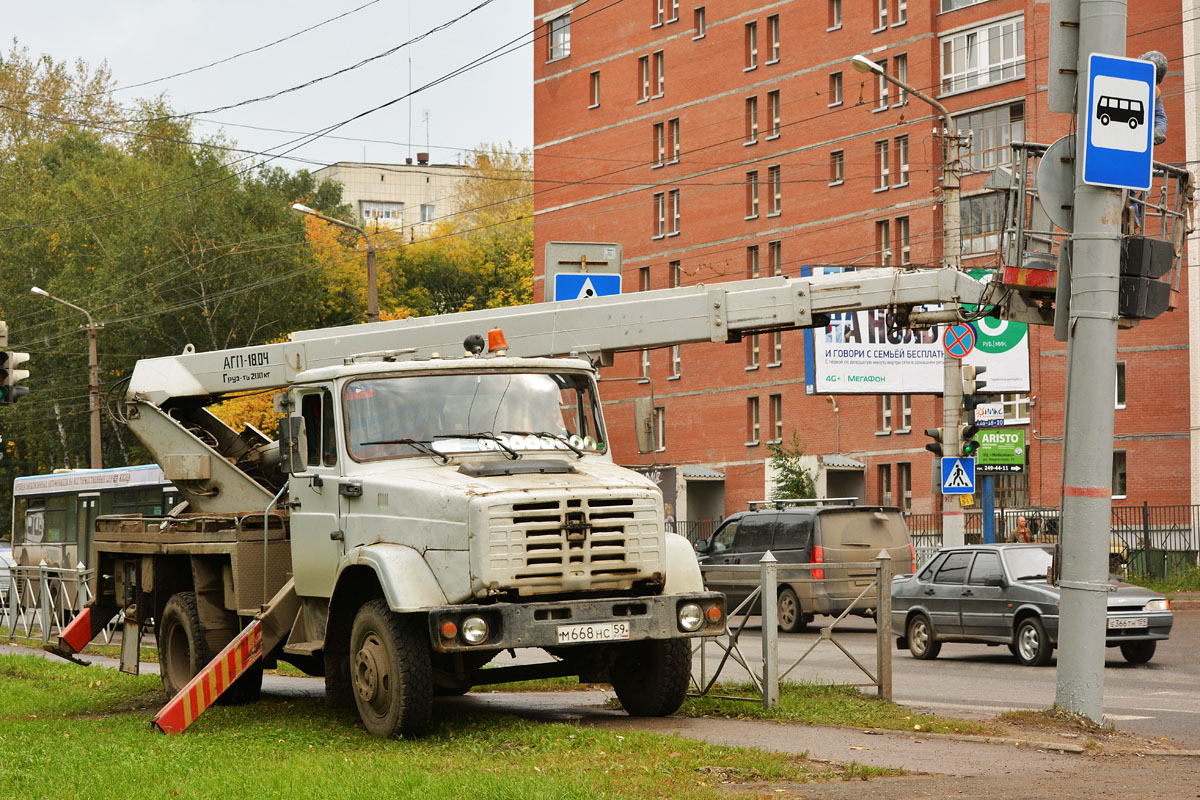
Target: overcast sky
[(143, 41)]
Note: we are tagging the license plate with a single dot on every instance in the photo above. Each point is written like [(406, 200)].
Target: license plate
[(1127, 622), (593, 632)]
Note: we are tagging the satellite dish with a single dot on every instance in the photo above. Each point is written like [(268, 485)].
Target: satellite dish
[(1055, 182)]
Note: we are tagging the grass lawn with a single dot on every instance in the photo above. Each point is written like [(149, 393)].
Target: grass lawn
[(86, 732)]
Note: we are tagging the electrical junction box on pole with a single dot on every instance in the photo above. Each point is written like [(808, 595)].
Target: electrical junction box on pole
[(1118, 150), (1001, 450)]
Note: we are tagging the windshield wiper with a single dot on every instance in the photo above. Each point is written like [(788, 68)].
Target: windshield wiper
[(417, 443), (512, 455), (550, 435)]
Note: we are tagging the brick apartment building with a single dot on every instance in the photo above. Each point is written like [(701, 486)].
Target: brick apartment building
[(729, 140)]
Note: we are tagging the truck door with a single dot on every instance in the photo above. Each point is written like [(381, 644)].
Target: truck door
[(317, 538)]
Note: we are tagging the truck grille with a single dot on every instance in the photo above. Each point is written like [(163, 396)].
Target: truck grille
[(576, 544)]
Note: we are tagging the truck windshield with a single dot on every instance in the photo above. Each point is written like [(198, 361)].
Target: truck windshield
[(401, 416)]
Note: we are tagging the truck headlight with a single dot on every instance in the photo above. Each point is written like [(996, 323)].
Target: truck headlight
[(474, 630), (1159, 605), (690, 617)]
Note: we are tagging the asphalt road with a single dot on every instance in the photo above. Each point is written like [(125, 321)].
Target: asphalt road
[(1158, 699)]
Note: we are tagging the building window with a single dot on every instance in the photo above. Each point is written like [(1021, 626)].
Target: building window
[(1120, 479), (660, 215), (752, 420), (776, 418), (752, 261), (775, 258), (644, 78), (773, 36), (835, 14), (560, 37), (645, 364), (902, 160), (776, 349), (595, 90), (675, 11), (883, 169), (1016, 408), (885, 484), (901, 16), (676, 362), (752, 352), (657, 12), (883, 242), (751, 120), (751, 45), (904, 482), (660, 74), (676, 275), (660, 143), (985, 55), (774, 177), (643, 279), (837, 164), (774, 111), (905, 413), (674, 193), (752, 194), (673, 139), (660, 428), (900, 72), (376, 210), (835, 89), (885, 413), (903, 245), (698, 22), (951, 5), (981, 221), (992, 131), (882, 87), (881, 9), (428, 212), (1120, 384)]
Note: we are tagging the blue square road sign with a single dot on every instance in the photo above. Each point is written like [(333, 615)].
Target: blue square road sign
[(958, 475), (1118, 147), (582, 285)]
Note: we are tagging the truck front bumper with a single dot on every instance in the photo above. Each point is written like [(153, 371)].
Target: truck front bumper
[(573, 622)]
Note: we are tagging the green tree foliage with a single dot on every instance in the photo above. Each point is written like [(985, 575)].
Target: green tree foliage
[(792, 478), (480, 256)]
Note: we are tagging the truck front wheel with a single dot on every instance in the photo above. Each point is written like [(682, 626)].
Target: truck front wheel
[(181, 648), (651, 678), (391, 672)]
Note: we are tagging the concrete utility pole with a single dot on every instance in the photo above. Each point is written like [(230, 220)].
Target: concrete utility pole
[(1091, 374), (97, 461), (372, 283), (953, 521)]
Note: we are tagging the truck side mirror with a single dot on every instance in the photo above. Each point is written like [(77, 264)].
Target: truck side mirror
[(643, 421), (293, 446)]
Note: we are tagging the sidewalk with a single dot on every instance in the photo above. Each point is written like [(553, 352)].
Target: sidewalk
[(1186, 601)]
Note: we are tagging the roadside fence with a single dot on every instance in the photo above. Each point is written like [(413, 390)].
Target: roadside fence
[(44, 599)]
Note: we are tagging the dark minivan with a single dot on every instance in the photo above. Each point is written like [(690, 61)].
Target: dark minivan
[(803, 532)]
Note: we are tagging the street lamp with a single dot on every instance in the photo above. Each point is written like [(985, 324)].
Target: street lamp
[(372, 286), (93, 374), (953, 528)]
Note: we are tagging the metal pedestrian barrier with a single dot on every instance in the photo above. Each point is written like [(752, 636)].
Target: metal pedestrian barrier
[(765, 578), (39, 602)]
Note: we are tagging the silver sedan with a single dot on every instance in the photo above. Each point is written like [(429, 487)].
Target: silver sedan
[(999, 594)]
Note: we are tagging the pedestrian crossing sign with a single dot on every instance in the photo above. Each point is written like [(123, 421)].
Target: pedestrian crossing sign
[(958, 475), (585, 285)]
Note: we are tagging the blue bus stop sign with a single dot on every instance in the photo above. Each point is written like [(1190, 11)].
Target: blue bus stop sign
[(1118, 141)]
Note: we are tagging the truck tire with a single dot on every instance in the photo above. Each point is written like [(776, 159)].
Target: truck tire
[(181, 648), (651, 678), (391, 671), (792, 618)]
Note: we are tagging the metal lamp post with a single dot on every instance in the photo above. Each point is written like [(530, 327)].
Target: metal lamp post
[(372, 285), (953, 523), (93, 375)]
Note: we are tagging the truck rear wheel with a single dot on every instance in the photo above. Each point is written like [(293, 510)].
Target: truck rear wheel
[(181, 648), (651, 678), (391, 671)]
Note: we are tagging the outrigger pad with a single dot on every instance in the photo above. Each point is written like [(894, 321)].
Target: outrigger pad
[(74, 638)]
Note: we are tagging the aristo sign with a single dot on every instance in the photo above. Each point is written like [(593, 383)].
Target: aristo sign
[(1001, 450)]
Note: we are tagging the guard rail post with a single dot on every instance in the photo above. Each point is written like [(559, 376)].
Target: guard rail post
[(770, 629), (44, 589), (81, 589), (15, 588), (883, 626)]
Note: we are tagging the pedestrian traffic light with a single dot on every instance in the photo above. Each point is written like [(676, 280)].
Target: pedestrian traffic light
[(967, 437), (10, 392), (935, 446), (1143, 262)]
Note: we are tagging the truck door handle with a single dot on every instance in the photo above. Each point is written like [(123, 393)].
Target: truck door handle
[(350, 489)]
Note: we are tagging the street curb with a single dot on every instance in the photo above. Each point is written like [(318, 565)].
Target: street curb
[(1061, 747)]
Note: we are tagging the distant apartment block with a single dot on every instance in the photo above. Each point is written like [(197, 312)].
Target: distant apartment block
[(408, 196)]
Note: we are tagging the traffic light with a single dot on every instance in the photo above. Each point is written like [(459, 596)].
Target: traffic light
[(1143, 262), (971, 381), (10, 392), (935, 446), (967, 437)]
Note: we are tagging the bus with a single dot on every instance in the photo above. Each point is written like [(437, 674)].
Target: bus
[(54, 515)]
